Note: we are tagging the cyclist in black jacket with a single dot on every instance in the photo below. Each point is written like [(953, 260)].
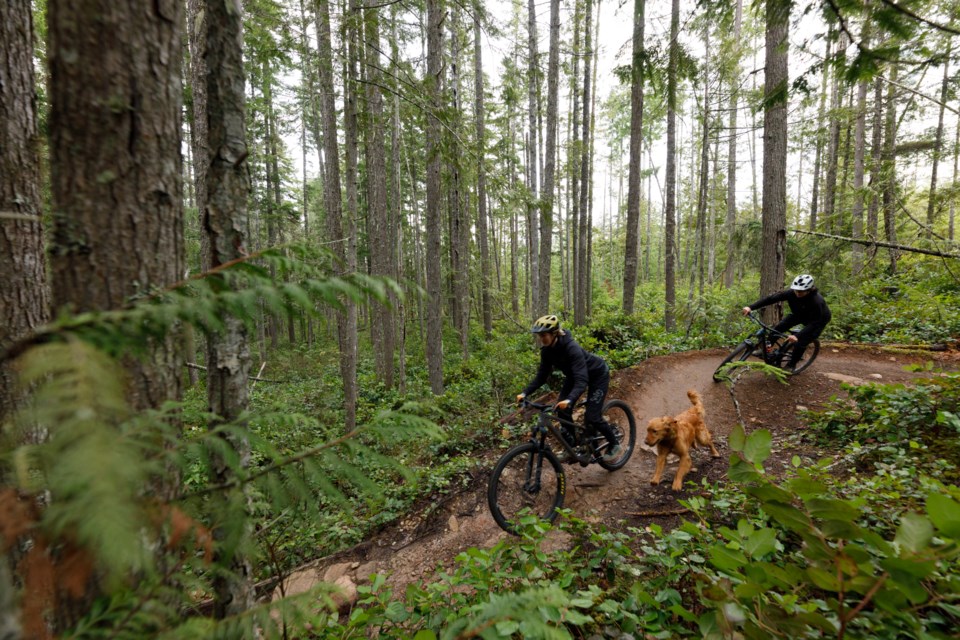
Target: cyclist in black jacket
[(582, 371), (807, 307)]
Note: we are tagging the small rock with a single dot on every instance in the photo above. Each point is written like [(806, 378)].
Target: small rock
[(840, 377), (876, 375), (453, 524), (347, 596), (893, 359), (335, 572), (366, 570), (800, 407)]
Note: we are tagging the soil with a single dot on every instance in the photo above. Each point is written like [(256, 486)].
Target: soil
[(412, 549)]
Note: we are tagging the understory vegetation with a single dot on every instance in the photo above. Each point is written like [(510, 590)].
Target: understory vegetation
[(862, 545)]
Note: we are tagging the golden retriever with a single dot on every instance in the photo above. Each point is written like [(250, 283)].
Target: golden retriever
[(679, 434)]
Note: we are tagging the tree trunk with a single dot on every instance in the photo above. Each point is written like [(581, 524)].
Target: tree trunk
[(633, 177), (670, 229), (953, 197), (859, 154), (228, 184), (833, 146), (24, 291), (434, 346), (932, 209), (730, 220), (485, 301), (533, 162), (581, 301), (825, 84), (459, 225), (773, 259), (890, 170), (381, 247), (876, 159), (116, 177), (549, 165)]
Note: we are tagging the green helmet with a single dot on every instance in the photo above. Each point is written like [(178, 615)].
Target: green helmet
[(546, 324)]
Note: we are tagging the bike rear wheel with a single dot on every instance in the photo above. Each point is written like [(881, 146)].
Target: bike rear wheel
[(813, 349), (618, 415), (526, 479), (739, 354)]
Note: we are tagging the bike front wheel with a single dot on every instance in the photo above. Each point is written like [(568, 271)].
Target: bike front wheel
[(527, 480), (741, 353), (618, 415), (809, 355)]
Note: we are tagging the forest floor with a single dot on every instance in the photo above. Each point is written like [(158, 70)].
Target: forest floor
[(434, 535)]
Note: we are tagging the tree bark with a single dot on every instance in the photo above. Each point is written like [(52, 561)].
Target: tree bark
[(434, 346), (859, 155), (116, 179), (890, 171), (228, 183), (485, 301), (381, 249), (670, 227), (774, 222), (582, 299), (876, 159), (24, 291), (938, 147), (533, 161), (549, 165), (730, 220), (459, 225)]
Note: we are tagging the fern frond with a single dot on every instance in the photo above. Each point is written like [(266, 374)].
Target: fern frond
[(91, 467)]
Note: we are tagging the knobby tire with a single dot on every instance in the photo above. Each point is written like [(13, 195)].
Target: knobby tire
[(620, 418), (739, 354), (507, 495)]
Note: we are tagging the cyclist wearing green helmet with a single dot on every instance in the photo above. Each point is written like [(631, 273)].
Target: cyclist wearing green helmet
[(582, 370)]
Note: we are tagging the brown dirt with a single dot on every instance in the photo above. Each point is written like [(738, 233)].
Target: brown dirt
[(412, 549)]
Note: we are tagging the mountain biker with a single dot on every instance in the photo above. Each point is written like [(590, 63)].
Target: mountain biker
[(807, 307), (582, 370)]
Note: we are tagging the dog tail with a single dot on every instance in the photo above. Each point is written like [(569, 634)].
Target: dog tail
[(697, 403)]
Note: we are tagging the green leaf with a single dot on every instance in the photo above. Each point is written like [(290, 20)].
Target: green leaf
[(828, 509), (742, 471), (945, 514), (914, 532), (737, 438), (760, 543), (789, 517), (726, 559), (757, 447)]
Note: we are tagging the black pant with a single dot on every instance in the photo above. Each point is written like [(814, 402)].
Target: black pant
[(596, 393), (811, 331)]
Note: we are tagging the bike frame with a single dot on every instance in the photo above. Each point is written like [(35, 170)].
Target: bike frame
[(547, 422), (762, 335)]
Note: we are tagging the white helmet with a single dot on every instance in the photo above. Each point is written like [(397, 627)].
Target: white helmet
[(802, 283)]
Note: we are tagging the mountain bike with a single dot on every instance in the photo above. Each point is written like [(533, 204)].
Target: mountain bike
[(530, 477), (771, 346)]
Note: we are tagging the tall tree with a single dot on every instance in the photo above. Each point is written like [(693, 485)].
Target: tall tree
[(889, 170), (633, 177), (549, 164), (116, 179), (459, 225), (859, 156), (730, 220), (485, 299), (433, 81), (533, 154), (224, 213), (938, 144), (382, 235), (582, 299), (670, 211), (774, 207), (24, 293), (333, 204)]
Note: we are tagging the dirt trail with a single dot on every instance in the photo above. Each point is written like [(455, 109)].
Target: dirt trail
[(412, 550)]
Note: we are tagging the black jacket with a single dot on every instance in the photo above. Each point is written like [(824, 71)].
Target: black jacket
[(576, 363), (811, 310)]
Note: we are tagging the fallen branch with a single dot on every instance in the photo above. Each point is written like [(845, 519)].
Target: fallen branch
[(877, 243), (649, 514), (200, 367)]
